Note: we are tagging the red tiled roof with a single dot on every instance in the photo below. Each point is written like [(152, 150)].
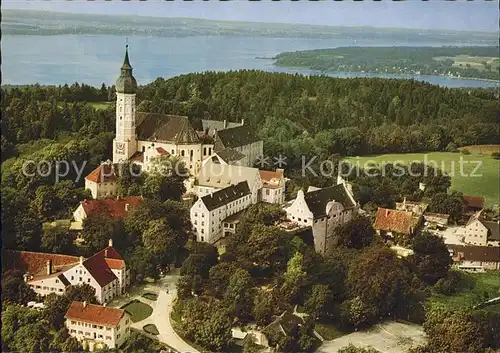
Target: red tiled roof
[(95, 314), (162, 151), (271, 179), (36, 262), (112, 257), (393, 220), (113, 207), (138, 157), (474, 201), (99, 269), (105, 173)]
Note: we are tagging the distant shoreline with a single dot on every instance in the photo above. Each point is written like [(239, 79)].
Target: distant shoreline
[(387, 73)]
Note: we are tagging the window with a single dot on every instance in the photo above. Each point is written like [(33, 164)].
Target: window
[(108, 328), (117, 336), (57, 281), (202, 238), (45, 288), (73, 322), (127, 329), (80, 332), (88, 280), (299, 219), (118, 328), (202, 231), (60, 290), (38, 287), (195, 223), (182, 153), (72, 278), (100, 327), (99, 336), (87, 333), (108, 337), (267, 192), (80, 279), (126, 322), (73, 331), (94, 326)]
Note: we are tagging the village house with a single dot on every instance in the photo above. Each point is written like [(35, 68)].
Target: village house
[(115, 208), (472, 204), (46, 273), (436, 220), (396, 226), (141, 136), (102, 181), (475, 258), (97, 326), (479, 231), (324, 210), (273, 186), (210, 212)]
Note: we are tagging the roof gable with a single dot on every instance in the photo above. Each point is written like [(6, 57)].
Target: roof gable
[(318, 199), (35, 262), (165, 128), (235, 137), (475, 253), (474, 201), (105, 173), (95, 314), (394, 220), (116, 208), (99, 269)]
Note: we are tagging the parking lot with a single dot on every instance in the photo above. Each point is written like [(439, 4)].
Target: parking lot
[(388, 337)]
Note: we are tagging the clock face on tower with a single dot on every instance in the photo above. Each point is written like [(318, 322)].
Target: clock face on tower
[(120, 148)]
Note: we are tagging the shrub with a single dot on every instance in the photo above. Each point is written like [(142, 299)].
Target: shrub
[(465, 151)]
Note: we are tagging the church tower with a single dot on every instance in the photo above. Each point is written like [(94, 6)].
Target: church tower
[(125, 142)]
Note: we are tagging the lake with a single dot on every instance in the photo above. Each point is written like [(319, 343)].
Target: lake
[(95, 60)]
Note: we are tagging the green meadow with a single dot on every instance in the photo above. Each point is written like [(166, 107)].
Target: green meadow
[(470, 174)]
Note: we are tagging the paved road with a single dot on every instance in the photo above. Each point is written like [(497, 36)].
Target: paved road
[(162, 307), (161, 318)]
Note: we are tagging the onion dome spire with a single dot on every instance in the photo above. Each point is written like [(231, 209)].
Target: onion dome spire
[(126, 82)]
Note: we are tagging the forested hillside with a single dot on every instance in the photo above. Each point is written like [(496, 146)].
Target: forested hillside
[(294, 114), (298, 115), (477, 62)]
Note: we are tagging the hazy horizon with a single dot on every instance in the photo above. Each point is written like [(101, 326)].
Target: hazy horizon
[(442, 15)]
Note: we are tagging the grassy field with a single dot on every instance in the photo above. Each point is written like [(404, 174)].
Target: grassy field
[(481, 182), (485, 286), (95, 105), (476, 62)]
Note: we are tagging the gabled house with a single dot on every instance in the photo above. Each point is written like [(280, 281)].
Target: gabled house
[(97, 326), (472, 204), (273, 186), (102, 181), (210, 212), (115, 208), (242, 139), (45, 273), (479, 231), (391, 224), (324, 210), (475, 258)]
